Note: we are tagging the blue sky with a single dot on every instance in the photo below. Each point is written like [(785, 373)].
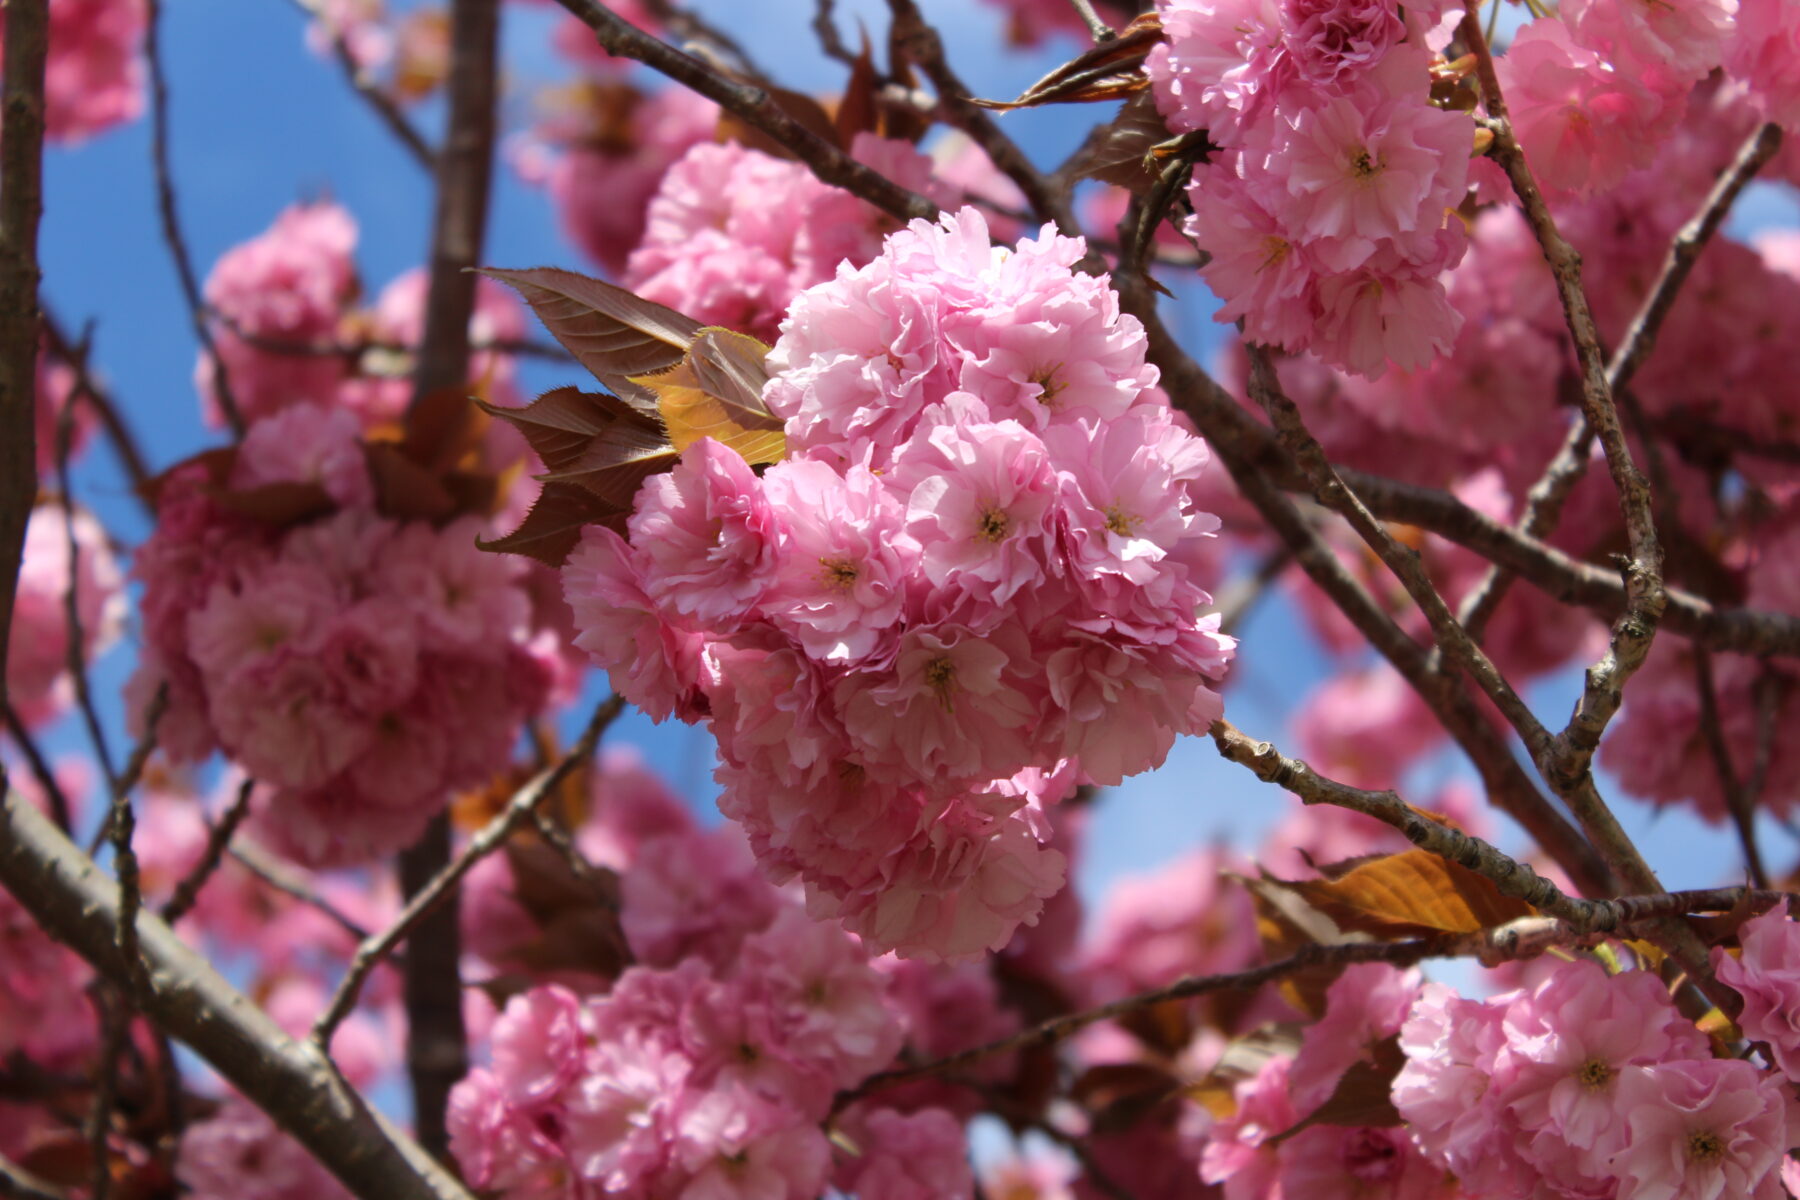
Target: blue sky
[(259, 122)]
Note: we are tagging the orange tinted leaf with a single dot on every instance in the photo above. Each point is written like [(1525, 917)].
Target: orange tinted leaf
[(716, 392), (1412, 893)]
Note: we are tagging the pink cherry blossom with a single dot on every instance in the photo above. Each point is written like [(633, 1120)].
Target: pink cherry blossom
[(1702, 1128), (1762, 54), (94, 75), (289, 284), (1582, 122), (917, 1156), (1767, 975), (37, 661), (708, 536)]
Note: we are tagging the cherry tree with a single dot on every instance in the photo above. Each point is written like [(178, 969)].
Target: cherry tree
[(882, 450)]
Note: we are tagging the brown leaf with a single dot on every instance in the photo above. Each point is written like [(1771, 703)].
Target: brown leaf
[(593, 441), (1410, 894), (1109, 71), (405, 490), (217, 463), (611, 332), (441, 428), (551, 529), (716, 392), (1119, 1095), (1363, 1096), (857, 110), (1124, 153), (1286, 921), (286, 503)]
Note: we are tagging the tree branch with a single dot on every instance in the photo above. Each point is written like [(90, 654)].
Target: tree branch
[(77, 903), (442, 886), (386, 109), (1645, 597), (187, 892), (21, 206), (927, 49), (437, 1044), (118, 432), (756, 107)]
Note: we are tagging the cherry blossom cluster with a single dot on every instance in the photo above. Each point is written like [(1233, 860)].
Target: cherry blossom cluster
[(734, 234), (1327, 211), (93, 72), (66, 556), (290, 330), (709, 1068), (360, 666), (1591, 1084), (972, 584)]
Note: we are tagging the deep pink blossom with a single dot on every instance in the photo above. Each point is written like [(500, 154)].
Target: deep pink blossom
[(1582, 121)]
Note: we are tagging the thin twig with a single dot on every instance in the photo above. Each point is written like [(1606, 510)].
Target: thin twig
[(171, 223), (927, 49), (253, 860), (1644, 588), (1061, 1028), (118, 430), (1256, 461), (26, 41), (116, 1019), (1100, 30), (824, 24), (75, 643), (121, 824), (1242, 595), (61, 811), (217, 839), (487, 840), (696, 28), (1403, 561), (379, 100), (758, 109), (1543, 507), (1739, 800)]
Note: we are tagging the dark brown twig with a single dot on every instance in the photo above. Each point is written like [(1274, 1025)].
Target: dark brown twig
[(386, 109), (1739, 800), (187, 892), (61, 811), (21, 206), (488, 839), (118, 430), (927, 49), (1645, 596), (437, 1043), (78, 904), (171, 222), (824, 24), (253, 860), (756, 107)]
